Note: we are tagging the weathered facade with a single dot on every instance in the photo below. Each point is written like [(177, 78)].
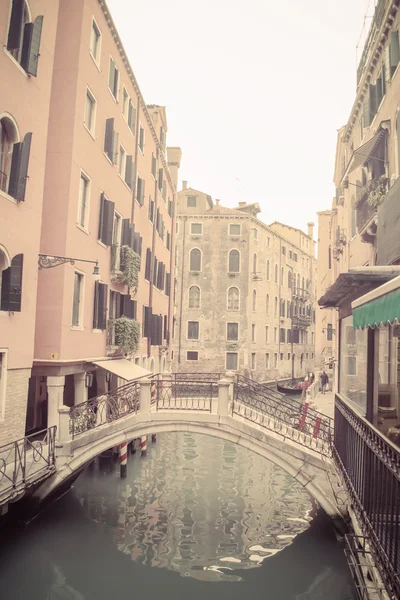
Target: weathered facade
[(245, 292)]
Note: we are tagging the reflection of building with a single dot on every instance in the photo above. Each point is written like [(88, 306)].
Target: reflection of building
[(245, 291), (364, 233)]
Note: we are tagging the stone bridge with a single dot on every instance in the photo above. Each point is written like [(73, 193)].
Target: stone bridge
[(284, 431)]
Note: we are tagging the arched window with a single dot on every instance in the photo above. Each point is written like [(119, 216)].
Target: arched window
[(254, 263), (268, 270), (276, 307), (194, 296), (289, 278), (195, 259), (267, 304), (276, 273), (234, 261), (254, 300), (233, 298), (8, 137)]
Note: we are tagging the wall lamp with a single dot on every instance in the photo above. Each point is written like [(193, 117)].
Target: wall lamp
[(47, 261), (89, 380)]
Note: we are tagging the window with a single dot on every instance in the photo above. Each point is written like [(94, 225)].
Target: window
[(23, 41), (117, 236), (268, 270), (233, 298), (295, 256), (140, 187), (193, 330), (351, 365), (153, 165), (253, 360), (190, 355), (267, 360), (276, 307), (125, 104), (282, 335), (267, 305), (275, 360), (77, 300), (254, 264), (306, 355), (141, 139), (196, 228), (95, 42), (288, 356), (281, 356), (255, 231), (194, 297), (283, 250), (191, 201), (253, 332), (231, 361), (11, 282), (290, 278), (232, 332), (275, 335), (8, 137), (90, 111), (111, 141), (276, 273), (289, 336), (113, 79), (83, 209), (195, 260), (254, 300), (234, 261), (122, 162), (329, 332), (266, 334), (106, 221), (268, 242), (234, 229), (289, 309), (282, 275)]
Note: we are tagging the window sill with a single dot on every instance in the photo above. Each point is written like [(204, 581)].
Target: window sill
[(16, 63), (77, 328), (8, 197), (124, 182), (108, 158), (112, 96), (89, 132), (98, 331), (82, 229), (95, 61)]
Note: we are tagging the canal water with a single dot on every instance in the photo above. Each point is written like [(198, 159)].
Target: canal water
[(197, 518)]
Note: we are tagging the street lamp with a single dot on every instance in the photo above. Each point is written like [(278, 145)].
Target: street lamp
[(47, 261)]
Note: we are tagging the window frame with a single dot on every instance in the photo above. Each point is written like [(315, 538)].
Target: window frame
[(253, 364), (236, 339), (85, 226), (190, 260), (234, 225), (121, 167), (193, 339), (96, 59), (78, 326), (227, 298), (196, 233), (17, 139), (240, 261), (141, 141), (194, 307), (187, 201), (117, 219), (117, 82), (228, 368), (192, 352)]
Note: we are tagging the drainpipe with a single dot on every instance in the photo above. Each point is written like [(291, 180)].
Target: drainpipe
[(153, 247), (136, 157), (181, 301)]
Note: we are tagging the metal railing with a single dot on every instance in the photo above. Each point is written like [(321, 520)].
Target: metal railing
[(196, 376), (25, 461), (370, 466), (185, 395), (104, 409), (286, 416), (365, 211), (300, 293)]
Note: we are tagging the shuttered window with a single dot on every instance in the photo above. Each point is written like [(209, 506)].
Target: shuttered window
[(233, 298), (128, 306), (151, 210), (168, 284), (100, 306), (113, 78), (394, 52), (106, 221), (232, 332), (193, 330), (160, 178), (111, 141), (153, 166), (24, 38), (19, 168), (95, 41), (77, 300), (146, 321), (147, 272), (282, 335), (131, 116), (141, 139), (11, 285), (140, 191)]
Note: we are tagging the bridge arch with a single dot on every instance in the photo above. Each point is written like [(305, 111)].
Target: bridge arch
[(307, 469)]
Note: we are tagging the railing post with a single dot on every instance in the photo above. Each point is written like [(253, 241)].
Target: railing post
[(145, 395), (223, 397), (64, 434)]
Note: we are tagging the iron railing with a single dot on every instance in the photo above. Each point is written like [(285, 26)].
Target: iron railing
[(25, 461), (104, 409), (365, 211), (206, 377), (185, 395), (370, 466), (286, 416), (300, 293)]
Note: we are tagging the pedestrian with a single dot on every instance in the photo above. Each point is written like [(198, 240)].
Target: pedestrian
[(304, 387), (324, 381)]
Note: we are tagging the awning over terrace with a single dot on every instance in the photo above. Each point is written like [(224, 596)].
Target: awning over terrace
[(123, 368), (378, 307)]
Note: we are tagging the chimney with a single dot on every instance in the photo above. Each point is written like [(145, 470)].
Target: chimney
[(310, 230), (184, 185), (241, 204), (217, 202)]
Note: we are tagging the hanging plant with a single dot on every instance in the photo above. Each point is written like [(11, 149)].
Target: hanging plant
[(129, 267), (378, 192), (127, 335)]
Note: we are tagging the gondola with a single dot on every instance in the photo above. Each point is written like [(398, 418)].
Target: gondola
[(288, 390)]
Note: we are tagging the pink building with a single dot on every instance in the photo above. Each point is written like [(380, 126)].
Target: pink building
[(28, 35), (93, 181)]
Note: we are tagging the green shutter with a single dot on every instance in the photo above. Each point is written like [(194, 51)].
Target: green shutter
[(394, 51), (23, 167), (31, 46), (129, 171), (11, 285), (108, 138)]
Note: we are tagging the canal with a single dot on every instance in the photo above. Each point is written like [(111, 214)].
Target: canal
[(197, 518)]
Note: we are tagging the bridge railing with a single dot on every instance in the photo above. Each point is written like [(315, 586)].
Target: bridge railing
[(26, 460), (286, 416), (103, 409), (370, 465), (185, 394)]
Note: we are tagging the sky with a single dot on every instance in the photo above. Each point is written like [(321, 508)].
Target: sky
[(255, 92)]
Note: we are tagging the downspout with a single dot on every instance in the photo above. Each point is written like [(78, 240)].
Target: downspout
[(153, 247), (136, 157), (181, 302)]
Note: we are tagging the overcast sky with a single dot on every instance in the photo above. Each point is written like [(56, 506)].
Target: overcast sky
[(255, 91)]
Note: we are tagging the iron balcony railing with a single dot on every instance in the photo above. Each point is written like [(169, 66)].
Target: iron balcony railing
[(289, 417), (104, 409), (301, 321), (25, 461), (300, 293), (370, 465), (365, 211), (185, 394)]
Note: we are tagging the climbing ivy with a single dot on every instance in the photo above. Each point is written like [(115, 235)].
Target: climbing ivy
[(127, 335), (129, 267)]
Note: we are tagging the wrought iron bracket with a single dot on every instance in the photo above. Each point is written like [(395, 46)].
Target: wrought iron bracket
[(47, 261)]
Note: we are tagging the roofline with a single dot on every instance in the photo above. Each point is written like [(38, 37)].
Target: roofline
[(291, 227), (128, 67)]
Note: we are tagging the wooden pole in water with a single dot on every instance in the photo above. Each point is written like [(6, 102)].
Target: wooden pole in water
[(123, 457), (143, 445)]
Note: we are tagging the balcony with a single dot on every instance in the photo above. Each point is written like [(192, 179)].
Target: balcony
[(300, 293), (301, 321), (368, 200)]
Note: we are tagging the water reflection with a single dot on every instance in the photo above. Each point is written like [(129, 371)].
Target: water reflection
[(196, 518)]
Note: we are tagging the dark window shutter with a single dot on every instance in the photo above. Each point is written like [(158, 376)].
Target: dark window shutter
[(168, 284), (100, 305), (23, 167), (109, 138), (142, 193), (115, 147), (147, 322), (366, 111), (31, 46), (111, 76), (155, 271), (373, 100), (127, 306), (126, 237), (11, 285), (151, 210), (106, 220), (148, 265), (160, 178), (140, 247), (131, 116), (129, 171), (14, 31), (14, 172), (136, 246)]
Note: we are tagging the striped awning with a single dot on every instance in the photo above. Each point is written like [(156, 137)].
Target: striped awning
[(364, 152), (379, 307)]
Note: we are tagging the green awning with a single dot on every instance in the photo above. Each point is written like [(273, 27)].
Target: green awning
[(381, 310)]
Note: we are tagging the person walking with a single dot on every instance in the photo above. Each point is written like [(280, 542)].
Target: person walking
[(324, 381)]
